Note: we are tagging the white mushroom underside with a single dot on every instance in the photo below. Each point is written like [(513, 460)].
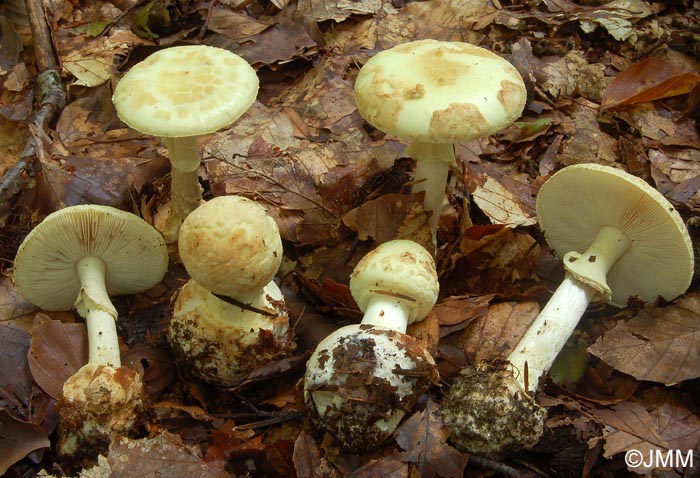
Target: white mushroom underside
[(572, 209), (134, 254)]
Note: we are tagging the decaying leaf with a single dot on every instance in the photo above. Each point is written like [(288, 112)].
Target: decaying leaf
[(501, 198), (654, 122), (285, 41), (499, 330), (338, 10), (156, 367), (228, 442), (56, 352), (676, 173), (587, 143), (308, 461), (391, 216), (659, 344), (490, 259), (86, 180), (427, 332), (92, 66), (618, 17), (457, 312), (235, 25), (162, 455), (17, 388), (650, 79), (18, 439), (12, 304), (386, 467), (662, 422), (423, 437)]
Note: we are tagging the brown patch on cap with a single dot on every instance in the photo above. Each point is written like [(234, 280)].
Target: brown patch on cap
[(451, 123)]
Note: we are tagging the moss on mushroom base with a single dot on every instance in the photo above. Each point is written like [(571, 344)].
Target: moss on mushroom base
[(362, 380), (222, 343), (98, 401), (490, 414)]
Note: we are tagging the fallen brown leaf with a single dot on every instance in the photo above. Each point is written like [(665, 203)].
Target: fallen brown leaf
[(650, 79), (18, 439), (308, 460), (56, 352), (499, 330), (457, 312), (19, 395), (659, 344), (423, 437), (490, 259), (385, 467), (162, 455), (662, 422)]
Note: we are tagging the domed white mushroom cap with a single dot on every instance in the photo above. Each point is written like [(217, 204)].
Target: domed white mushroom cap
[(400, 269), (134, 254), (230, 246), (439, 92), (186, 91), (577, 201)]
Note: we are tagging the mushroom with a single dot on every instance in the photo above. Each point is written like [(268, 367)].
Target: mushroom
[(363, 378), (180, 94), (78, 257), (434, 94), (620, 239), (230, 317)]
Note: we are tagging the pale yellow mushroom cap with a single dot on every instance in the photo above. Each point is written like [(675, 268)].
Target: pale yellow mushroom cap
[(401, 270), (230, 246), (185, 91), (578, 200), (439, 92)]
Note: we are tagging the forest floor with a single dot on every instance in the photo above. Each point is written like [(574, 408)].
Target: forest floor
[(627, 380)]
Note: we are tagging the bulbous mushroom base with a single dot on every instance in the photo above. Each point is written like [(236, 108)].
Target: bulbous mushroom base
[(361, 380), (99, 401), (490, 414), (221, 343)]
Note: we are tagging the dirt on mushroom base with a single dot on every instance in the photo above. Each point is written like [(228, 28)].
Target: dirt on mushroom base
[(376, 377), (490, 414)]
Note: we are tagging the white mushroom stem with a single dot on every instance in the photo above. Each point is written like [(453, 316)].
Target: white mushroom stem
[(185, 192), (548, 334), (433, 161), (386, 311), (94, 305)]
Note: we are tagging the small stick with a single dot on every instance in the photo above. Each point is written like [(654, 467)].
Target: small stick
[(52, 95)]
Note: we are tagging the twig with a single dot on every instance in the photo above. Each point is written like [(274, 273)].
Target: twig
[(244, 306), (121, 16), (493, 465), (52, 96), (282, 417), (203, 28)]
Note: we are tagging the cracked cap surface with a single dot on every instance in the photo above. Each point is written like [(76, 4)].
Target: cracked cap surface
[(400, 267), (439, 92), (230, 246), (185, 91)]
